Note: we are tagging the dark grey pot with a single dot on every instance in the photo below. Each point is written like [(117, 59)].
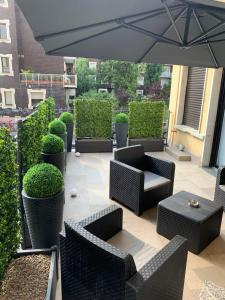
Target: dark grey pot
[(56, 159), (121, 134), (63, 136), (44, 218), (69, 127)]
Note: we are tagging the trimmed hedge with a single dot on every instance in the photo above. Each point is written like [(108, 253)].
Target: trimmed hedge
[(146, 119), (93, 118), (43, 180), (57, 127), (121, 118), (31, 131), (52, 144), (66, 118), (9, 204)]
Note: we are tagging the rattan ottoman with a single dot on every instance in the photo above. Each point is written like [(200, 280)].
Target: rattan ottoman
[(199, 225)]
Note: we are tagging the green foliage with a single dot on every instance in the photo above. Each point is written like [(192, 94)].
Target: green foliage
[(121, 118), (146, 119), (42, 180), (57, 127), (52, 144), (85, 81), (94, 95), (31, 131), (9, 218), (93, 118), (66, 117), (152, 73)]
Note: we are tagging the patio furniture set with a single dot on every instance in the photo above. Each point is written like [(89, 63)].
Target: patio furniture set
[(93, 268)]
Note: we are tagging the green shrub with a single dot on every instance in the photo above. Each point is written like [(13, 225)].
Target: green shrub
[(42, 180), (93, 118), (66, 117), (121, 118), (57, 127), (9, 204), (52, 144), (31, 131), (146, 119)]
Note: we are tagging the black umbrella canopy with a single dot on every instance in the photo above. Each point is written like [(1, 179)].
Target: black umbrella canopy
[(179, 32)]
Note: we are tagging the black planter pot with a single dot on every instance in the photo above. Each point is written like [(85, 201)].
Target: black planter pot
[(56, 159), (121, 134), (69, 127), (63, 136), (44, 218)]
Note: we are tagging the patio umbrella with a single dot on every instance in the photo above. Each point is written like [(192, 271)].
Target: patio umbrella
[(158, 31)]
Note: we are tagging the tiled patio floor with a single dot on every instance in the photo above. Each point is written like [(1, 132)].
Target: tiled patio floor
[(89, 174)]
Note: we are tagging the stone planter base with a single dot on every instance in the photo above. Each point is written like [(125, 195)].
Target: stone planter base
[(53, 270), (93, 145), (150, 145)]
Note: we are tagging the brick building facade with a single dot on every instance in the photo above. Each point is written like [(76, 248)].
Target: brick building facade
[(27, 75)]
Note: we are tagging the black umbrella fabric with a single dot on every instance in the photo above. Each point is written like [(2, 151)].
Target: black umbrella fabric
[(179, 32)]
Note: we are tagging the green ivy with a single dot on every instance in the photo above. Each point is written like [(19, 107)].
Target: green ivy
[(9, 217), (32, 129), (93, 118), (146, 119)]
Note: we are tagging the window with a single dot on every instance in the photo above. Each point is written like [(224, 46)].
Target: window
[(8, 98), (102, 90), (3, 3), (140, 92), (6, 64), (70, 70), (92, 65), (34, 97), (140, 80), (4, 31)]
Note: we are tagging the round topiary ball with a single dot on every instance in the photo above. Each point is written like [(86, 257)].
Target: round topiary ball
[(121, 118), (42, 181), (57, 127), (66, 117), (52, 144)]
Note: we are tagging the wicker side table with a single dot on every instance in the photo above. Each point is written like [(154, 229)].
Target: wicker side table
[(199, 225)]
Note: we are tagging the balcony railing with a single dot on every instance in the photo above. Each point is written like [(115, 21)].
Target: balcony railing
[(67, 81)]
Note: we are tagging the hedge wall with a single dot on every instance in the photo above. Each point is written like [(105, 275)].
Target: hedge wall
[(146, 119), (93, 118), (31, 131), (9, 218)]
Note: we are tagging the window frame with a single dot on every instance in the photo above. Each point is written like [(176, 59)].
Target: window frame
[(4, 4), (8, 38), (94, 64), (10, 65), (140, 94), (29, 93), (4, 105), (140, 80)]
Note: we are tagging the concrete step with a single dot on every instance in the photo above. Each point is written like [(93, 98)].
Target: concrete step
[(179, 155)]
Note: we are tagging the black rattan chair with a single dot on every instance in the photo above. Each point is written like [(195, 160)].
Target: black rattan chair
[(139, 181), (92, 269), (220, 187)]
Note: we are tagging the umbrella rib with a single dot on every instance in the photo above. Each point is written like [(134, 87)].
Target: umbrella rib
[(187, 25), (209, 37), (208, 45), (164, 32), (55, 34), (172, 20)]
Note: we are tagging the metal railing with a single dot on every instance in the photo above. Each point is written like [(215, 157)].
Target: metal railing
[(51, 80)]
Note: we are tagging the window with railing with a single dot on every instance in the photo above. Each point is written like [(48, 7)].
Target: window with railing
[(37, 79)]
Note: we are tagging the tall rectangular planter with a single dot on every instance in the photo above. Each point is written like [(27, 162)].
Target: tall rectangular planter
[(53, 270), (150, 145), (93, 145)]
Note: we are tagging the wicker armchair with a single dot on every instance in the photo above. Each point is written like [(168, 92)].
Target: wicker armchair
[(219, 196), (140, 181), (92, 269)]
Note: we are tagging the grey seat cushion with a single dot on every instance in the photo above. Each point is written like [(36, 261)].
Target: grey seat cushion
[(153, 180), (222, 187)]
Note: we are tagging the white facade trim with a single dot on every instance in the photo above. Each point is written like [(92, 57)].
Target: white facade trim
[(29, 93), (4, 4), (4, 105), (11, 73), (8, 38)]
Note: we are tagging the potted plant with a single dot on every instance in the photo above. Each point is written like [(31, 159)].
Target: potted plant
[(43, 200), (53, 151), (146, 125), (121, 127), (67, 119), (58, 128)]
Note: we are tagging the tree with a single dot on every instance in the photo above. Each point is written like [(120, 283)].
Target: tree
[(152, 74), (85, 76)]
